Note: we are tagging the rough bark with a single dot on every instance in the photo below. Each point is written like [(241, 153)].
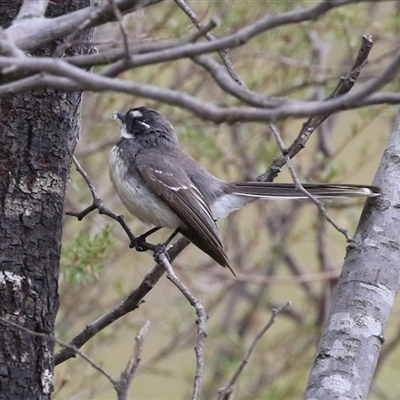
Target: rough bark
[(38, 133), (349, 348)]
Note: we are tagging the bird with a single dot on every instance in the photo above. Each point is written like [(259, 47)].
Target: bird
[(162, 186)]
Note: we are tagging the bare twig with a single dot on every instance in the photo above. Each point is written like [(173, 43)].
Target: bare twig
[(233, 40), (343, 87), (300, 187), (130, 303), (80, 80), (7, 47), (225, 392), (204, 30), (85, 176), (32, 9), (320, 52), (211, 38), (120, 65), (201, 325), (27, 34), (224, 80), (122, 29), (98, 204), (123, 385), (62, 344), (203, 109)]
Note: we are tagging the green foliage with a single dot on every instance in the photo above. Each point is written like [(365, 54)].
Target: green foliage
[(83, 261)]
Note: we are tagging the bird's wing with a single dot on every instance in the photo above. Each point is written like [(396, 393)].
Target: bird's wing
[(179, 193)]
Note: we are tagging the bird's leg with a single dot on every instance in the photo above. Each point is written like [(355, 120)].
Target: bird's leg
[(139, 243), (160, 248)]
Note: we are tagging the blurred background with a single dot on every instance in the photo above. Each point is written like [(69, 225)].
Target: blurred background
[(281, 251)]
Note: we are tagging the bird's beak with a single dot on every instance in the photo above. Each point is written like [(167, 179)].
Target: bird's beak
[(119, 116)]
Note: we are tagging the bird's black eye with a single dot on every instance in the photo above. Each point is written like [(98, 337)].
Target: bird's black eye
[(137, 120)]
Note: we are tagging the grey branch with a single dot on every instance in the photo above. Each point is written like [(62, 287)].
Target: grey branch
[(123, 385), (77, 79), (211, 38), (178, 50), (225, 392), (201, 325), (32, 33), (343, 87), (98, 204), (32, 9), (129, 304), (298, 184)]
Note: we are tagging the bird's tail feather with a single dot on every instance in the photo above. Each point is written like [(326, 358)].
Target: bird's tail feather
[(275, 190)]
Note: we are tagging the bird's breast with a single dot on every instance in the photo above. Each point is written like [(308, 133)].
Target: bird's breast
[(136, 197)]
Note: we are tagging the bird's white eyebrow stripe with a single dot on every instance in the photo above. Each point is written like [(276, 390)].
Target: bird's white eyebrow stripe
[(136, 113)]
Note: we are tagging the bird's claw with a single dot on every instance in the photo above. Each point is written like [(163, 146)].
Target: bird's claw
[(160, 249), (139, 244)]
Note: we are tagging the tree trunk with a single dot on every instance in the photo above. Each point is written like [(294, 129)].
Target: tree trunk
[(38, 133), (354, 332)]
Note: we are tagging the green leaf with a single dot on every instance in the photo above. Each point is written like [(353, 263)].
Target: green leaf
[(83, 261)]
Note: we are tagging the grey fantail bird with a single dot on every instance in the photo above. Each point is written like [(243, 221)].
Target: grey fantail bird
[(162, 186)]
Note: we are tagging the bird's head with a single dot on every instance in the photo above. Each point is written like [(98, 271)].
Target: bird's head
[(147, 126)]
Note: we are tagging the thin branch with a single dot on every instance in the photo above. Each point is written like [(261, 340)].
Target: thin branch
[(225, 82), (239, 38), (320, 53), (7, 47), (135, 298), (88, 181), (211, 38), (300, 187), (98, 204), (324, 304), (340, 93), (63, 345), (123, 385), (201, 325), (130, 303), (30, 34), (204, 30), (225, 392), (122, 29), (32, 9), (67, 42), (200, 108)]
